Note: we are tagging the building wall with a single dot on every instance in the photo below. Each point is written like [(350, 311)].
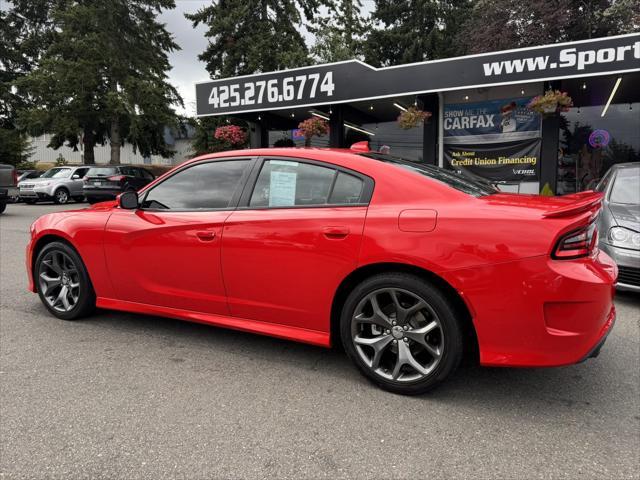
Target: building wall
[(43, 154)]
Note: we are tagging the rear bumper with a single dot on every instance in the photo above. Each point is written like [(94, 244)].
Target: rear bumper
[(540, 312), (7, 193)]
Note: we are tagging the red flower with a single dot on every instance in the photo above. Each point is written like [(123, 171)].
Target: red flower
[(231, 134)]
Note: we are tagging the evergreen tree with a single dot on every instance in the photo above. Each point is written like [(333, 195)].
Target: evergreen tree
[(249, 36), (504, 24), (104, 76), (25, 30), (406, 31), (340, 35)]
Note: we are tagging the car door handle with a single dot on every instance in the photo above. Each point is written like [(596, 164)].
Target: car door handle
[(335, 233), (206, 236)]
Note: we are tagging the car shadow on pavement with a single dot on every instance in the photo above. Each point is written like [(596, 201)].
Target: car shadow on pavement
[(579, 387)]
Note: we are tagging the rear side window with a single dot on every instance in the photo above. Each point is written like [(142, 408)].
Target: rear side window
[(101, 171), (284, 183), (205, 186), (347, 189)]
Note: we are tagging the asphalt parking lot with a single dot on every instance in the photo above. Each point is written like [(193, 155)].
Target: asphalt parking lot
[(129, 396)]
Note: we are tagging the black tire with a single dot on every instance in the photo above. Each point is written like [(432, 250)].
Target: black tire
[(438, 309), (61, 196), (86, 297), (30, 202), (79, 198), (3, 206)]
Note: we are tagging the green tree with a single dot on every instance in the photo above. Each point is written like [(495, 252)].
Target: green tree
[(249, 36), (406, 31), (104, 76), (25, 30), (504, 24), (340, 36)]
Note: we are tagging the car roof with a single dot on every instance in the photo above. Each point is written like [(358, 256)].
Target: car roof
[(620, 166)]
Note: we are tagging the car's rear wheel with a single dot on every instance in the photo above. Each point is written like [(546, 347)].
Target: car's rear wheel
[(401, 332), (61, 196), (63, 283)]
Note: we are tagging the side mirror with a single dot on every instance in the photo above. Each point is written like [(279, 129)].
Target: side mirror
[(75, 176), (128, 200)]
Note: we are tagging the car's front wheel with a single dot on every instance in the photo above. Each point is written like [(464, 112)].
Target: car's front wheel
[(61, 196), (63, 283), (401, 332)]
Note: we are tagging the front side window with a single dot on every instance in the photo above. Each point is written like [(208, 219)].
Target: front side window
[(284, 183), (204, 186)]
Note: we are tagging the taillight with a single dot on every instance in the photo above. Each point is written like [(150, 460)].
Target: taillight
[(577, 243), (15, 177), (116, 178)]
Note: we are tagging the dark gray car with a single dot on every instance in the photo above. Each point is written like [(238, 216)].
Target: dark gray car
[(619, 222)]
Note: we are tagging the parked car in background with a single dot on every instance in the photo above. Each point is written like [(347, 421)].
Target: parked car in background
[(25, 175), (8, 182), (619, 222), (106, 182), (59, 184), (322, 246)]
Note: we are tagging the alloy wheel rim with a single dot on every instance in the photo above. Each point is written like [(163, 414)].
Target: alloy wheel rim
[(397, 334), (59, 281), (62, 196)]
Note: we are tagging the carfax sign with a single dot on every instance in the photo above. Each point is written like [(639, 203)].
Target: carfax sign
[(502, 117), (354, 80), (496, 139)]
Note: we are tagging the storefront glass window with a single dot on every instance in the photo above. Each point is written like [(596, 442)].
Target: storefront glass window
[(590, 142), (389, 137)]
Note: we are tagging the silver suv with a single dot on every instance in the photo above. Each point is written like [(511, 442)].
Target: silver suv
[(59, 184)]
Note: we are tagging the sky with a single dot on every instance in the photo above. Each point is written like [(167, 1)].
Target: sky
[(186, 68)]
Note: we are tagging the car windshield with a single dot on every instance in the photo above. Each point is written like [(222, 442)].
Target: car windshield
[(101, 172), (57, 173), (625, 187), (471, 186)]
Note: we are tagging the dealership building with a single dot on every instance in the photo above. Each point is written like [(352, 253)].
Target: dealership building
[(479, 119)]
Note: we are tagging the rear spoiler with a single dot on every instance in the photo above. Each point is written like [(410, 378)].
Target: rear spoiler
[(577, 203)]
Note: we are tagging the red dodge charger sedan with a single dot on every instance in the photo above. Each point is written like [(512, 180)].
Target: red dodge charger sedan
[(409, 266)]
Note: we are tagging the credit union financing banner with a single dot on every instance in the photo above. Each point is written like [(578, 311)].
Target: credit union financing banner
[(491, 120), (505, 161)]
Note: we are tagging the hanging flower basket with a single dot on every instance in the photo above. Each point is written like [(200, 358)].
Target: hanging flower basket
[(551, 103), (231, 134), (412, 117), (313, 127)]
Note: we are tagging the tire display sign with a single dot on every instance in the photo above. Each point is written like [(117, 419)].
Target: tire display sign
[(505, 161), (354, 80)]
